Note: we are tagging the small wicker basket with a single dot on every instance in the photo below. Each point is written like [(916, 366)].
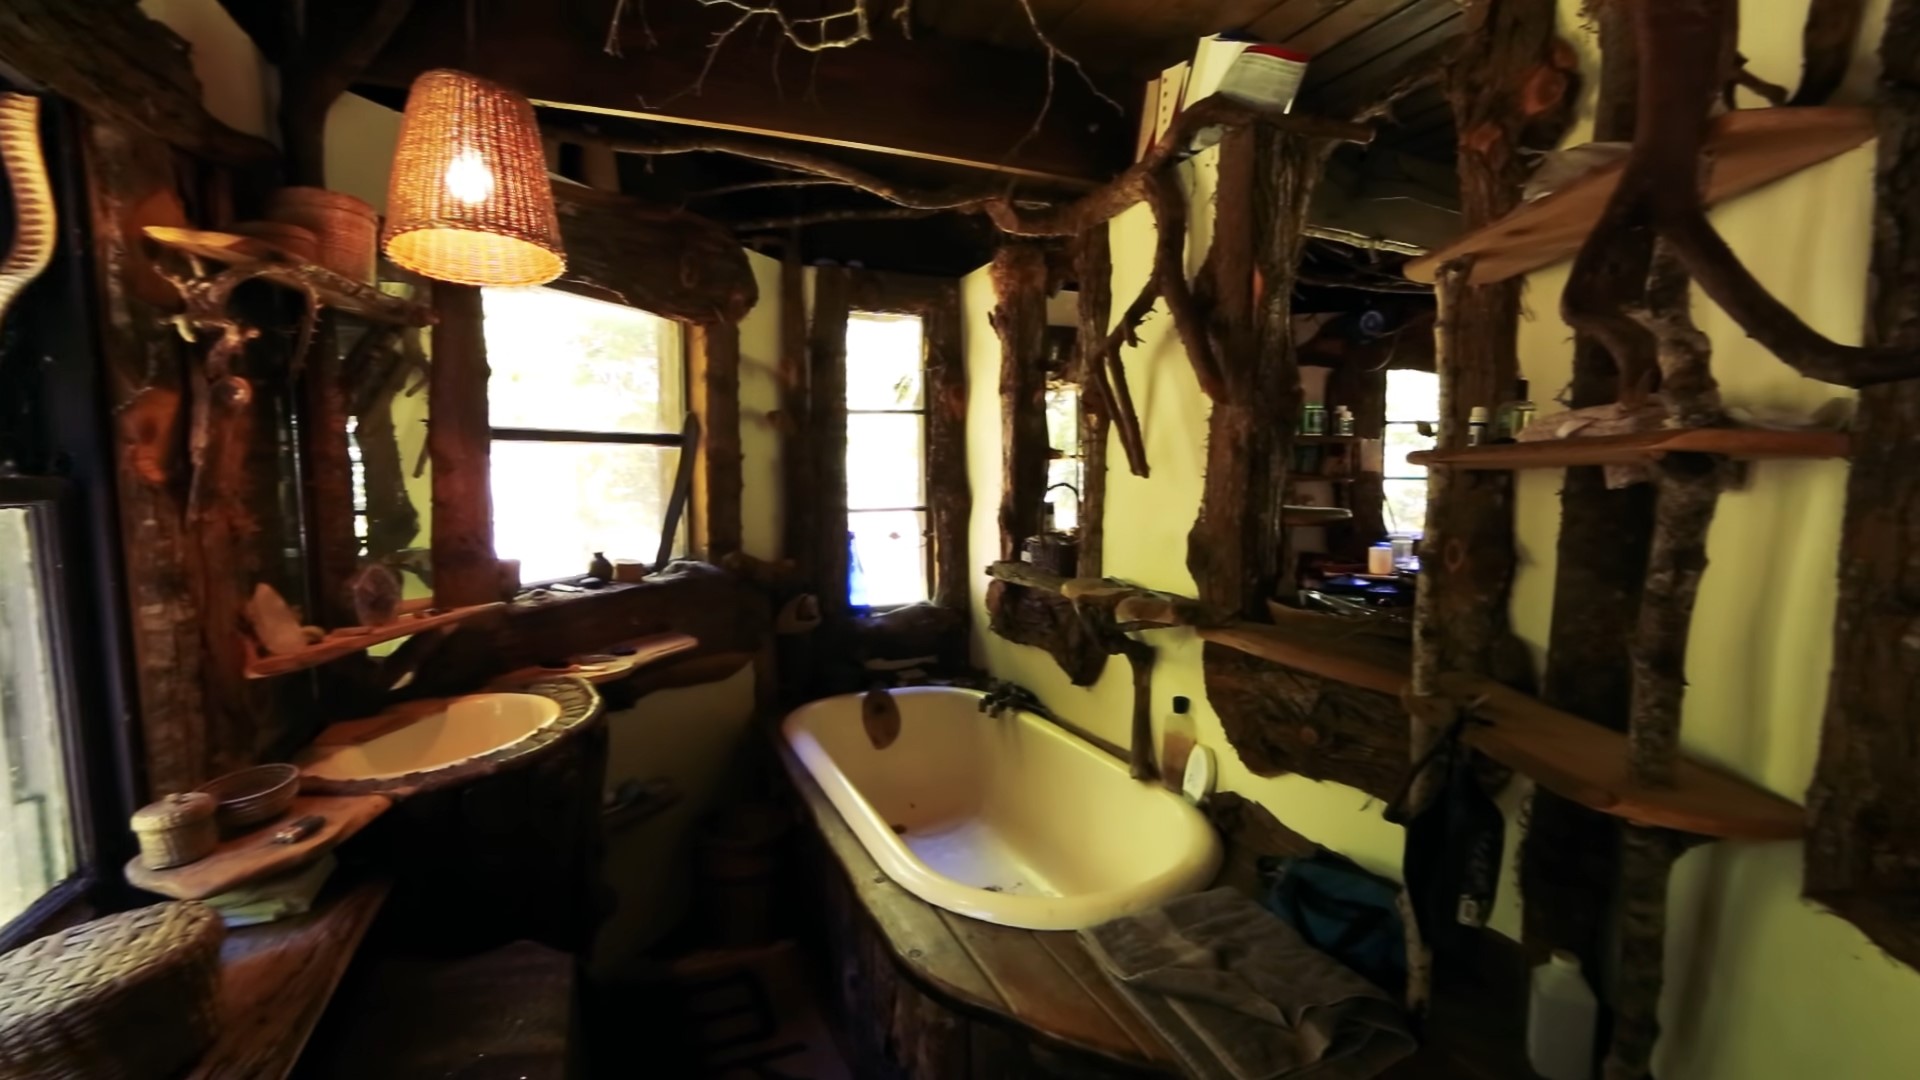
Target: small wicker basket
[(177, 830), (348, 228), (127, 997)]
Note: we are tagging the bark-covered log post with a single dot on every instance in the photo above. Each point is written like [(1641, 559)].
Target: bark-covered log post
[(1093, 266), (459, 442), (1863, 850)]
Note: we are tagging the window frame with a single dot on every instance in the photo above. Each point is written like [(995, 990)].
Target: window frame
[(679, 439), (54, 516), (1387, 424), (925, 507)]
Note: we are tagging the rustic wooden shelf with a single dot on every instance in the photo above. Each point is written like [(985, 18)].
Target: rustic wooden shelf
[(340, 293), (1640, 448), (253, 856), (355, 639), (1748, 148), (1569, 756), (276, 980)]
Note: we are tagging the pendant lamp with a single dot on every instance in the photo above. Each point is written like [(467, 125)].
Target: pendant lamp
[(469, 200)]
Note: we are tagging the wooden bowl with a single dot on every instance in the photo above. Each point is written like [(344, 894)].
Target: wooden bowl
[(253, 796)]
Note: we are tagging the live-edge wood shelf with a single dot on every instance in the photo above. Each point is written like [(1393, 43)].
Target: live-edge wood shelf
[(333, 290), (1748, 148), (355, 639), (1565, 754), (1643, 447), (276, 980)]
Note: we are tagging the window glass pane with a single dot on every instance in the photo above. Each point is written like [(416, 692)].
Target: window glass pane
[(564, 362), (36, 838), (888, 565), (884, 455), (1406, 506), (1401, 440), (1066, 504), (555, 504), (1412, 395), (1063, 419), (884, 362)]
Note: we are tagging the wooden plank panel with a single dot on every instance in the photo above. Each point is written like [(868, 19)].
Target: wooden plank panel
[(1066, 949), (1748, 148), (1642, 448), (1290, 17), (985, 98), (1039, 992), (1363, 27)]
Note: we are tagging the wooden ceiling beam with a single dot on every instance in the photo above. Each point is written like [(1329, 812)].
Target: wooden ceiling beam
[(926, 98)]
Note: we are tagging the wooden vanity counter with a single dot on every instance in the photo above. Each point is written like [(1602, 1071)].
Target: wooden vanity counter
[(277, 978)]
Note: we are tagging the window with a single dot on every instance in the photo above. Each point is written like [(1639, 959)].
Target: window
[(1413, 398), (585, 403), (886, 460), (1063, 459), (39, 848)]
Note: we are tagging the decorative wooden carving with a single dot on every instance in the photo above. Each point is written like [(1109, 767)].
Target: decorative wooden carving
[(669, 262), (460, 444), (1863, 857), (121, 66)]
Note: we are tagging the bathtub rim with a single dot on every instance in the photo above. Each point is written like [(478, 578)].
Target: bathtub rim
[(1194, 870)]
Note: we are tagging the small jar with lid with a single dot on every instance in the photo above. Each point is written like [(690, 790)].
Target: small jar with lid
[(177, 830)]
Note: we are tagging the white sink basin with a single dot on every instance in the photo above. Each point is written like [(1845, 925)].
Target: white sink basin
[(426, 735)]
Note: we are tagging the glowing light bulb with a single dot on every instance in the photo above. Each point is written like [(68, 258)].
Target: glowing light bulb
[(468, 178)]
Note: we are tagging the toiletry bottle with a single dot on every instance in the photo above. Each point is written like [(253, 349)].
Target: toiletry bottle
[(1515, 415), (1560, 1020), (1380, 559), (1177, 737), (1477, 426), (1314, 420), (1344, 421)]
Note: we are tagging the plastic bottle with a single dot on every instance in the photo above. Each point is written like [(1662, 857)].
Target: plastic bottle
[(1177, 738), (1477, 426), (1560, 1020)]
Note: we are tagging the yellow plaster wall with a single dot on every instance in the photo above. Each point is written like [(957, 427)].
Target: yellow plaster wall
[(1761, 984)]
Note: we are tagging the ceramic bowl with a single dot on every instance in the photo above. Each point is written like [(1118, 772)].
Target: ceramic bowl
[(253, 796)]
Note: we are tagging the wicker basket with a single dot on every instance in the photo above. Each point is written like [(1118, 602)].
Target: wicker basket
[(127, 997), (177, 830), (349, 229)]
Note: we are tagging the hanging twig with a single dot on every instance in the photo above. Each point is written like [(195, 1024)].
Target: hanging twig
[(1125, 420), (766, 185), (1169, 208), (1055, 54), (829, 217)]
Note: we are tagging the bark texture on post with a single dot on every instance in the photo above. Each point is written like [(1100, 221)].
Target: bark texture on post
[(459, 443), (1093, 266), (717, 482), (1020, 319), (796, 412), (949, 496), (1569, 857), (1237, 549), (825, 505), (1863, 850), (1646, 870)]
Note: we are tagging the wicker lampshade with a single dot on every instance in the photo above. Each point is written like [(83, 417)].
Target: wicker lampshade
[(469, 201)]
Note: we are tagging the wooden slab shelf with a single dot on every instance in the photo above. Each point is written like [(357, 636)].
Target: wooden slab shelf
[(1644, 447), (1569, 756), (1748, 148), (276, 980), (253, 856), (333, 290), (353, 639)]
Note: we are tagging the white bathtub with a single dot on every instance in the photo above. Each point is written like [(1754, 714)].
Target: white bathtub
[(1010, 820)]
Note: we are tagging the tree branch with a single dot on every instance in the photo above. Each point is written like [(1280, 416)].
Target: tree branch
[(1169, 208)]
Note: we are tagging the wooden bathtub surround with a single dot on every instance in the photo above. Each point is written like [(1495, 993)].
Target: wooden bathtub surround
[(950, 996)]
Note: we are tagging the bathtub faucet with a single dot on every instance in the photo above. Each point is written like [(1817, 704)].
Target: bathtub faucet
[(1003, 697)]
